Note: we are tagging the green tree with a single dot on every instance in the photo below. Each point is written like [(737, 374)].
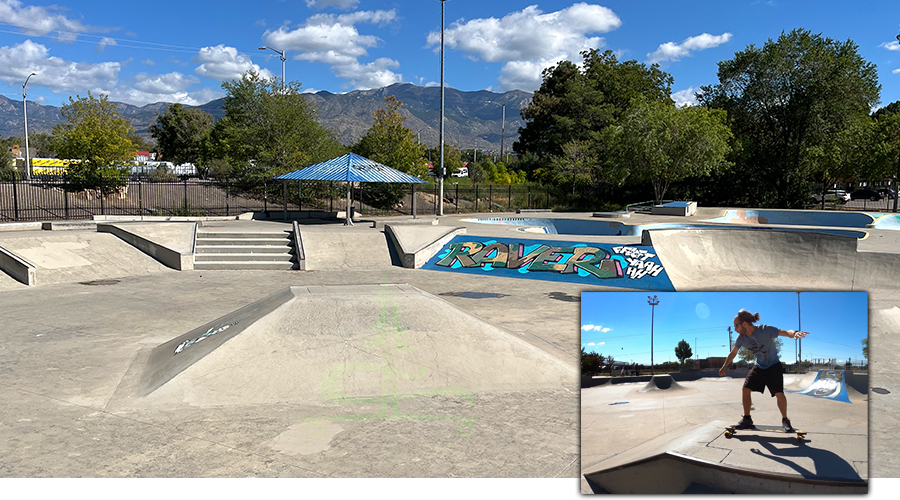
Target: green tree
[(683, 351), (575, 164), (865, 349), (783, 99), (7, 172), (95, 134), (41, 145), (661, 143), (267, 131), (181, 134), (590, 362), (389, 142), (575, 104)]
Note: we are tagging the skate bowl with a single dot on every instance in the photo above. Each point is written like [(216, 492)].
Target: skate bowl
[(662, 383), (301, 344), (834, 385), (725, 259), (796, 218), (674, 473)]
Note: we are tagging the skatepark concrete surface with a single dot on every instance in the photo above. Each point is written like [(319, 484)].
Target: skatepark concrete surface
[(86, 395), (667, 441)]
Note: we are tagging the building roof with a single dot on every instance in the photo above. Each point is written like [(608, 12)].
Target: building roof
[(350, 168)]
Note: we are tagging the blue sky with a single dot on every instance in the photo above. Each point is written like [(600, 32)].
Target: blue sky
[(618, 323), (182, 51)]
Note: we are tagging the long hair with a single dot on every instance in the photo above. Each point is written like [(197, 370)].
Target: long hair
[(746, 316)]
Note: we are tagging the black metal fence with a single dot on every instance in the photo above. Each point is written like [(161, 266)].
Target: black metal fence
[(39, 200)]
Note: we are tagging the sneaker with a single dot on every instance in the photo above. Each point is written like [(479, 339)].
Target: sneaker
[(786, 425), (745, 423)]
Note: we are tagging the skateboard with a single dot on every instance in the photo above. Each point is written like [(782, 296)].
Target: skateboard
[(731, 430)]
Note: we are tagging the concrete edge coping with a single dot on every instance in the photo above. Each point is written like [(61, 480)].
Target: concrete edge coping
[(409, 257), (161, 218), (298, 247), (20, 269), (20, 226), (165, 255)]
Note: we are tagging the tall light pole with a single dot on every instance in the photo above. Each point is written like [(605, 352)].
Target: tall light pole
[(25, 111), (653, 301), (897, 187), (502, 125), (441, 167), (797, 345), (280, 53)]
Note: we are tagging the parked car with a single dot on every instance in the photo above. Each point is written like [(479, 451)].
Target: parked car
[(866, 194), (887, 193), (832, 196)]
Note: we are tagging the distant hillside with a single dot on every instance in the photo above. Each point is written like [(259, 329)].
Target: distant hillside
[(473, 120)]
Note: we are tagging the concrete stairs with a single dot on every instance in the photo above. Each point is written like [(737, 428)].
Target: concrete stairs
[(244, 250)]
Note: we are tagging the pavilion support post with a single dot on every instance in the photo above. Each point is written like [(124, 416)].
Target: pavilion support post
[(414, 201), (284, 185), (349, 221)]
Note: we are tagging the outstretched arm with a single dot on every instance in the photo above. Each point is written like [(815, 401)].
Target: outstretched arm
[(728, 360), (794, 334)]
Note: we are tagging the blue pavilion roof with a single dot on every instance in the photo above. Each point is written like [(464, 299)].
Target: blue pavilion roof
[(350, 167)]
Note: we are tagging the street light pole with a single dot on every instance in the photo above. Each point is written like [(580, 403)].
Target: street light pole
[(25, 111), (897, 187), (280, 53), (653, 301), (441, 167), (502, 130)]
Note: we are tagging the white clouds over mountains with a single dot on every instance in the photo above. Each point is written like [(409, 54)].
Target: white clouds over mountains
[(39, 20), (335, 40), (529, 40), (671, 51), (225, 63), (54, 73)]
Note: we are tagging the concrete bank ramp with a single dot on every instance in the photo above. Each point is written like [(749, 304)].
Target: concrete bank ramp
[(836, 385), (357, 247), (415, 244), (328, 343), (769, 259), (75, 256), (662, 383)]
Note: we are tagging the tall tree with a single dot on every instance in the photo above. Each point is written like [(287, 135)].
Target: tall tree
[(182, 133), (575, 104), (785, 98), (7, 172), (683, 351), (661, 143), (268, 130), (389, 142), (95, 134)]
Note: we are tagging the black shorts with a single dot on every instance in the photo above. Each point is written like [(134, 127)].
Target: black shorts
[(760, 378)]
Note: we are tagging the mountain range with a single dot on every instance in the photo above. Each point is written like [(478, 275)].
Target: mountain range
[(473, 119)]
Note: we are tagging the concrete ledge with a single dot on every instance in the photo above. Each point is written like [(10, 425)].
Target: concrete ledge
[(298, 247), (408, 222), (166, 256), (530, 210), (419, 243), (612, 215), (73, 225), (17, 267), (683, 208), (160, 218), (20, 226)]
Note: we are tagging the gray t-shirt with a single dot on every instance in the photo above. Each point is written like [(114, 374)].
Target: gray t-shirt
[(762, 344)]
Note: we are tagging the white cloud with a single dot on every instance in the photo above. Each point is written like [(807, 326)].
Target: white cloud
[(335, 40), (529, 40), (39, 20), (896, 71), (104, 42), (340, 4), (226, 63), (891, 45), (587, 328), (149, 62), (670, 51), (169, 83), (137, 97), (595, 344), (595, 328), (685, 97), (54, 73)]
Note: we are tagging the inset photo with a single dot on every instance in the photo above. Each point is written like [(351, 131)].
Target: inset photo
[(724, 392)]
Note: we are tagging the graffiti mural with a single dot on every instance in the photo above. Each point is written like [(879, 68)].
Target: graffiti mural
[(209, 333), (591, 263), (829, 384)]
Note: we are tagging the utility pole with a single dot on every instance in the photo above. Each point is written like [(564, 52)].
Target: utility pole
[(441, 171), (653, 301), (730, 341), (897, 187), (280, 53)]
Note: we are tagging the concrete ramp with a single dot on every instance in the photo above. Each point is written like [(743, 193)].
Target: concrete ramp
[(828, 384), (415, 244), (769, 259), (329, 343), (75, 256), (355, 247), (662, 383), (673, 473)]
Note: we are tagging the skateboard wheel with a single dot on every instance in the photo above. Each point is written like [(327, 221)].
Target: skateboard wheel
[(728, 434)]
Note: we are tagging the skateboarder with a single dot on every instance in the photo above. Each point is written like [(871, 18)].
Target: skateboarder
[(768, 370)]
